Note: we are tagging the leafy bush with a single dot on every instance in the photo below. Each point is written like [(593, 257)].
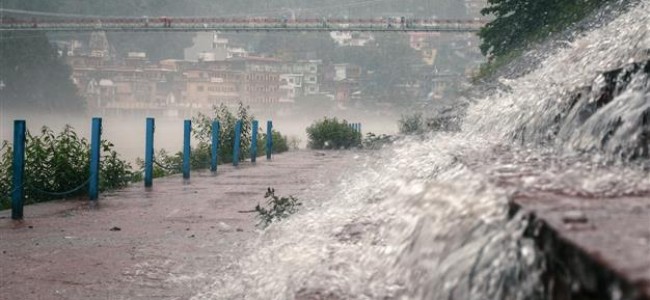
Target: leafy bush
[(58, 163), (411, 124), (332, 134), (167, 164), (280, 143), (202, 132), (278, 208)]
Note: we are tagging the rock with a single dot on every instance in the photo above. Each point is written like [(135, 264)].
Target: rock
[(115, 228), (574, 216)]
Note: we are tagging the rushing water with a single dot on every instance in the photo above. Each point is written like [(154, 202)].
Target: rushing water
[(427, 217)]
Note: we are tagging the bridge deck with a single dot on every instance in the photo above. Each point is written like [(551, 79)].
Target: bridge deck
[(230, 25)]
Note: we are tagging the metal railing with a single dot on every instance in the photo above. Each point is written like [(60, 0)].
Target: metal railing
[(17, 192)]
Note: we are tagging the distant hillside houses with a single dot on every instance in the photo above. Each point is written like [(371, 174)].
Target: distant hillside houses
[(180, 87)]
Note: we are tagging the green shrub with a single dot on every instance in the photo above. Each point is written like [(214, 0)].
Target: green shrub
[(200, 158), (278, 208), (280, 143), (202, 132), (332, 134), (58, 163)]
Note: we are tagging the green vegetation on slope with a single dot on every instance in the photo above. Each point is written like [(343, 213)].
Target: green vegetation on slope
[(519, 23)]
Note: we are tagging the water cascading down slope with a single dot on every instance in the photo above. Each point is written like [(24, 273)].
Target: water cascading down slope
[(428, 218)]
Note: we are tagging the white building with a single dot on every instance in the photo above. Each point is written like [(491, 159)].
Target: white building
[(351, 38), (207, 47), (291, 86)]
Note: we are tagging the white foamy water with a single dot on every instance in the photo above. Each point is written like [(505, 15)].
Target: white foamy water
[(426, 218)]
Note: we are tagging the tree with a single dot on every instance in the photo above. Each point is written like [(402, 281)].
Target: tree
[(34, 75), (519, 22)]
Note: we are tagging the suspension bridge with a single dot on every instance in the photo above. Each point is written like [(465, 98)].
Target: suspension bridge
[(254, 24)]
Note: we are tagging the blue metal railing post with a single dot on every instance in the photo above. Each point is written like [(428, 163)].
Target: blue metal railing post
[(95, 146), (148, 153), (18, 170), (214, 150), (255, 127), (236, 146), (187, 149), (269, 139)]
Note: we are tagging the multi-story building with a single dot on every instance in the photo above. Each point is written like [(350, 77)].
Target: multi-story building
[(205, 87), (171, 87), (291, 86)]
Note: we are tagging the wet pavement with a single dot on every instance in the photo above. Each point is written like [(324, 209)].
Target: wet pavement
[(165, 243)]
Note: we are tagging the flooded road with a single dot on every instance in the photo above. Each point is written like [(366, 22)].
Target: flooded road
[(163, 244)]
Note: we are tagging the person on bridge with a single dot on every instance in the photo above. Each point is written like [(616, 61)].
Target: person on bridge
[(167, 22)]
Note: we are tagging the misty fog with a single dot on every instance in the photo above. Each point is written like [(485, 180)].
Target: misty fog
[(124, 77)]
